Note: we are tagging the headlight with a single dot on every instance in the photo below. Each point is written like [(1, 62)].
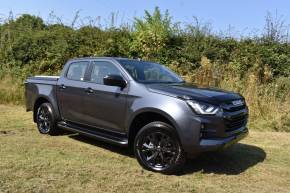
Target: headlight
[(203, 108)]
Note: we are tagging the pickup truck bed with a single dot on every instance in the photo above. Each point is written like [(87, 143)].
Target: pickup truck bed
[(34, 84), (44, 78)]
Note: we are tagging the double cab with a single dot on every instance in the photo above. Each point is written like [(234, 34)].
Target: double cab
[(138, 104)]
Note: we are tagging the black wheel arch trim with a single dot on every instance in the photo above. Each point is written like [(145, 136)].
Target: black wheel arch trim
[(152, 110), (53, 105)]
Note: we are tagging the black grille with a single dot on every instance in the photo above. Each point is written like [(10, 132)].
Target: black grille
[(234, 108), (236, 121)]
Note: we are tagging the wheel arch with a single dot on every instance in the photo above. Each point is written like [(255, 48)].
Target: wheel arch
[(145, 116), (40, 100)]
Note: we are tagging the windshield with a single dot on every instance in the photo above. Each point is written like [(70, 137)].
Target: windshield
[(148, 72)]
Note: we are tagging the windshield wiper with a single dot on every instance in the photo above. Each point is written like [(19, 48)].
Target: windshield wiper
[(170, 82), (161, 82)]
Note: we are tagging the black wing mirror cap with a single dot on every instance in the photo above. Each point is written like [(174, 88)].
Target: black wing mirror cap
[(115, 80)]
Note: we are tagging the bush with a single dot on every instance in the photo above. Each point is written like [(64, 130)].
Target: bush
[(257, 67)]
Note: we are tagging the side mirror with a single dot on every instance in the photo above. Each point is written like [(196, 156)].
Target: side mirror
[(114, 80)]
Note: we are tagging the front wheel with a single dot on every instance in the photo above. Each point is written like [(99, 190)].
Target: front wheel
[(45, 119), (158, 149)]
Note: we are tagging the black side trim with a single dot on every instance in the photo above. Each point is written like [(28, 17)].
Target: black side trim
[(99, 135)]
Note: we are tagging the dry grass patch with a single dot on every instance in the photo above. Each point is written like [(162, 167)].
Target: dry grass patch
[(30, 162)]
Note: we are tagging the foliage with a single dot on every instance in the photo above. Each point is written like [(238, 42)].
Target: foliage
[(152, 35), (258, 66)]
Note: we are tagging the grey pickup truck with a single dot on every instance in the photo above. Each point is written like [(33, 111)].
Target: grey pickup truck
[(137, 104)]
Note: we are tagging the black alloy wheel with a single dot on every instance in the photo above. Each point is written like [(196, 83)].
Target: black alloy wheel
[(45, 119), (157, 148)]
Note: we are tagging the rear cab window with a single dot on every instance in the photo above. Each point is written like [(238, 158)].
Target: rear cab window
[(77, 70)]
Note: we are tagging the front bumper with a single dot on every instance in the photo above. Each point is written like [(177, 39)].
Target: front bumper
[(210, 133), (222, 143)]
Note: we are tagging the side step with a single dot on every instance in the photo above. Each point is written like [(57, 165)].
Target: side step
[(99, 135)]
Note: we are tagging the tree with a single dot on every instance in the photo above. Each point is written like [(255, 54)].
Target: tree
[(275, 29), (152, 35)]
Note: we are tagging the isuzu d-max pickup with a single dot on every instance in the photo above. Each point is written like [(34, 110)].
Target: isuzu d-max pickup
[(139, 104)]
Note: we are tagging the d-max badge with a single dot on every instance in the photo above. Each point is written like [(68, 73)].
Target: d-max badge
[(238, 102)]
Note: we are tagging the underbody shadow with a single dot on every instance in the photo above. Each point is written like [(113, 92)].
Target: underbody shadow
[(232, 161)]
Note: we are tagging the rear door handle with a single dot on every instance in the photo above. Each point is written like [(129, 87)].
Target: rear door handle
[(62, 86), (89, 90)]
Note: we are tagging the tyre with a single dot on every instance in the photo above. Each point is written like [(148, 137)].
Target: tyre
[(158, 149), (45, 120)]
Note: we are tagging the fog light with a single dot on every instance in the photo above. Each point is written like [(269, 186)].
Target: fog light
[(202, 127)]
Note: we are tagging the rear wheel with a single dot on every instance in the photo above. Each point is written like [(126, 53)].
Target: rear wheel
[(45, 119), (158, 149)]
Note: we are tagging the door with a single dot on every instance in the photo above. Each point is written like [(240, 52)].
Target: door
[(105, 105), (71, 92)]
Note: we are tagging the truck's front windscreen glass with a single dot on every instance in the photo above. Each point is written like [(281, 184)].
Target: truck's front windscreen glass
[(148, 72)]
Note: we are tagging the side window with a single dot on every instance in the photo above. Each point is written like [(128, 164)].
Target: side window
[(77, 71), (102, 69)]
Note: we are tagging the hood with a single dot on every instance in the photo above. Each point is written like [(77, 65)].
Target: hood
[(186, 91)]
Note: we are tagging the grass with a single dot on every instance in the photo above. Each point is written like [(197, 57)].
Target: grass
[(30, 162), (269, 102), (11, 90)]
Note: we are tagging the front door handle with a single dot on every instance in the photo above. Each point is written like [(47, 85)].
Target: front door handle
[(89, 90), (62, 86)]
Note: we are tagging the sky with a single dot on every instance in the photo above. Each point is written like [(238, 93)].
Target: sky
[(241, 16)]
